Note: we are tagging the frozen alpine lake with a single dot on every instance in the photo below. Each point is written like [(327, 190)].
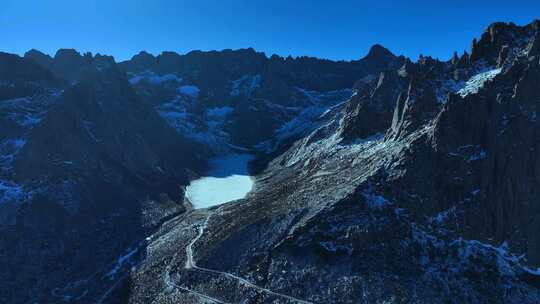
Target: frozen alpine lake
[(227, 180)]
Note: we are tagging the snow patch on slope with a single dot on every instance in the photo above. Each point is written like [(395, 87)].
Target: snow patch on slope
[(28, 111), (463, 255), (206, 129), (449, 85), (153, 78), (475, 83), (481, 72), (245, 85), (219, 112), (23, 114), (8, 150), (10, 191), (189, 90), (309, 118), (374, 200)]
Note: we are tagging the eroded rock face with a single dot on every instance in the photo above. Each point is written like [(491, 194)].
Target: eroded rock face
[(413, 108), (370, 110)]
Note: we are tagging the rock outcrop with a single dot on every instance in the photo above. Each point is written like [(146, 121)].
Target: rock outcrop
[(68, 64), (20, 77)]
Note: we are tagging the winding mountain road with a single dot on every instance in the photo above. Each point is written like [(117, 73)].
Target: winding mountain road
[(172, 285), (191, 265)]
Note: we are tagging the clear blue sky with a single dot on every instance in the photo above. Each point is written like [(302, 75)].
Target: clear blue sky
[(330, 29)]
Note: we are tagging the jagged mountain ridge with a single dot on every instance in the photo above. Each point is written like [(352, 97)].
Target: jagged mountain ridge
[(250, 83), (408, 165), (247, 82)]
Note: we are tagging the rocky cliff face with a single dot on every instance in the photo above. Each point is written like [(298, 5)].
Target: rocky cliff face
[(20, 77), (378, 181), (499, 126)]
